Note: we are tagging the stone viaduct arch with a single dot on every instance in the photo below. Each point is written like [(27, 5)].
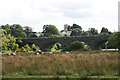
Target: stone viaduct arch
[(93, 41)]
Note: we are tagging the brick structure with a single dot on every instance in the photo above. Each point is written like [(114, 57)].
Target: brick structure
[(93, 41)]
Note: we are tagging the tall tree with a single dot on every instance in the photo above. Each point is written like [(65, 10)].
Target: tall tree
[(76, 30), (49, 30), (105, 31), (7, 28), (8, 41), (17, 31), (75, 26), (28, 30), (114, 40), (93, 31)]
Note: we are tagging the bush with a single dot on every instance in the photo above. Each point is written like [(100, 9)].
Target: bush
[(15, 47), (56, 47), (34, 47), (76, 45), (86, 48), (23, 49), (27, 47)]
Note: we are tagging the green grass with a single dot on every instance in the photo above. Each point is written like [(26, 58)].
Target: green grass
[(55, 76)]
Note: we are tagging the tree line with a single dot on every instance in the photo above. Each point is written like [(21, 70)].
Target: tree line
[(12, 34), (76, 30), (17, 30)]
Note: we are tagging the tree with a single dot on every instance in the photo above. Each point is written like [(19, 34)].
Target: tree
[(5, 41), (8, 41), (85, 33), (76, 32), (114, 40), (17, 31), (93, 31), (28, 30), (7, 28), (105, 31), (75, 26), (32, 35), (50, 30)]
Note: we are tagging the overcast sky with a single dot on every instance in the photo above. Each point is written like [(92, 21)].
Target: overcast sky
[(36, 13)]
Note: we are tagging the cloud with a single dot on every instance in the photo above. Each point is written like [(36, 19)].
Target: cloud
[(36, 13)]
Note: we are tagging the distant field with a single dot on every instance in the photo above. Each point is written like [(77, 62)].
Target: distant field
[(75, 63)]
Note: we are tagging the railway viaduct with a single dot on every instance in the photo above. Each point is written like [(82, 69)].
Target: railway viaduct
[(93, 41)]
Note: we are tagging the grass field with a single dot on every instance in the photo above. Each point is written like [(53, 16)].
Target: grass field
[(57, 76), (91, 64)]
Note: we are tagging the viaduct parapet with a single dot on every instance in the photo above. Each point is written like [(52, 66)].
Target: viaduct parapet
[(93, 41)]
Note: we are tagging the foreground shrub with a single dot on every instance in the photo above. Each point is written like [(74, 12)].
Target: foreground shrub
[(34, 47), (56, 47), (23, 49), (76, 45), (27, 47)]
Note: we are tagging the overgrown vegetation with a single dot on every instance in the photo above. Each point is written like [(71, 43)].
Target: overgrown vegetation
[(114, 40), (76, 45), (10, 43), (62, 64), (56, 47)]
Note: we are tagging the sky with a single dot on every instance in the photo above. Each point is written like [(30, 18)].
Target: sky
[(37, 13)]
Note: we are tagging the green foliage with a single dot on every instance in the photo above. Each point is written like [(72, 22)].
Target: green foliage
[(76, 45), (114, 40), (8, 41), (86, 48), (19, 41), (41, 35), (92, 31), (67, 48), (7, 28), (23, 49), (34, 47), (27, 47), (76, 32), (14, 47), (50, 30), (32, 35), (105, 31), (17, 31), (27, 30), (54, 35), (56, 47), (85, 33), (75, 26)]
